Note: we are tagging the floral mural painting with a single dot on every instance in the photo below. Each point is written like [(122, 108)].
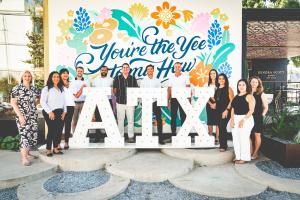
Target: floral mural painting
[(84, 27)]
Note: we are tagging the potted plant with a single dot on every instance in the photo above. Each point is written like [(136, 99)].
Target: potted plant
[(282, 139)]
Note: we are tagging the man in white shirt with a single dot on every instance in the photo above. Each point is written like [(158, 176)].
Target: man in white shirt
[(178, 80), (77, 87), (102, 81), (152, 82)]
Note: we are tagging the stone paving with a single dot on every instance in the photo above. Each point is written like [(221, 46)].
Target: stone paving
[(148, 174)]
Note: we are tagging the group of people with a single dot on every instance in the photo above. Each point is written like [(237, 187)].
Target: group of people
[(245, 112), (62, 101)]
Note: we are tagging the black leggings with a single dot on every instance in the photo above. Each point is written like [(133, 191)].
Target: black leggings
[(223, 130), (67, 123), (54, 128)]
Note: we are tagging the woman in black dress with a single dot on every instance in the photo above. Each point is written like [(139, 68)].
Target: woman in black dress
[(210, 106), (24, 99), (261, 108), (223, 97)]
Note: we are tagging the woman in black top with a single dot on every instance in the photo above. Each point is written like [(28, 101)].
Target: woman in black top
[(210, 108), (260, 110), (242, 121), (223, 97)]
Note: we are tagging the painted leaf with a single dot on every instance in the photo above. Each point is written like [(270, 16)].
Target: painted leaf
[(166, 114), (137, 114), (126, 23), (222, 54)]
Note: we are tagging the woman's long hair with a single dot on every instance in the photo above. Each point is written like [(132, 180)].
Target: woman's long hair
[(63, 70), (50, 82), (260, 87), (226, 86), (248, 88), (210, 80)]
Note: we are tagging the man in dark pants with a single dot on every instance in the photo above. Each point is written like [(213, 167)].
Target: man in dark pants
[(181, 81), (152, 82)]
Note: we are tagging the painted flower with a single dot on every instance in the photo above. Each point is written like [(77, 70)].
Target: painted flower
[(65, 26), (225, 68), (105, 13), (166, 15), (214, 35), (215, 12), (188, 15), (226, 27), (70, 13), (224, 17), (82, 22), (200, 74), (200, 23), (138, 11)]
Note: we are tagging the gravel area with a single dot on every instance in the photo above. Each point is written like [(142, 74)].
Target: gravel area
[(162, 190), (165, 190), (71, 182), (9, 194), (274, 168)]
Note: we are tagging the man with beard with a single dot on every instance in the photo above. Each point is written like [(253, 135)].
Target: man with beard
[(102, 81), (120, 85)]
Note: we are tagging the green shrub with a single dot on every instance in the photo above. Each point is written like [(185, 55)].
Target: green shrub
[(286, 125), (10, 142)]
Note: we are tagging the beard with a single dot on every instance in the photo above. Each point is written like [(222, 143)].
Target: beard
[(103, 74)]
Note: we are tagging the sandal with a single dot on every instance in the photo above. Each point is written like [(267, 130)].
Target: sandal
[(26, 162), (58, 152), (49, 154), (254, 157), (241, 162), (222, 150)]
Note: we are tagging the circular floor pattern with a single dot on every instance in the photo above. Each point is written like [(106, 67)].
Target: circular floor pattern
[(275, 169), (72, 182), (9, 194), (165, 190)]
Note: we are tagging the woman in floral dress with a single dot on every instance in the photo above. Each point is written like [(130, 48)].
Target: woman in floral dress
[(24, 99)]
